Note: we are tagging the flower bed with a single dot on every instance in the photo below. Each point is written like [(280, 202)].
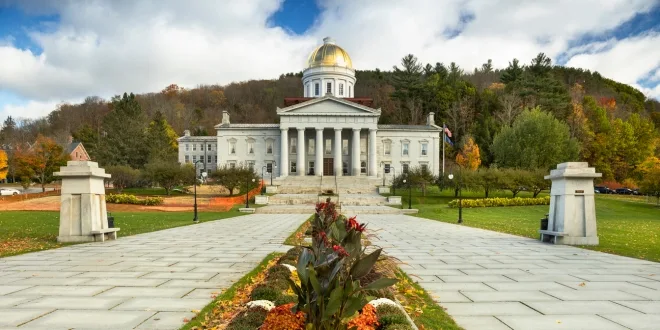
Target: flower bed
[(131, 199), (332, 284), (494, 202)]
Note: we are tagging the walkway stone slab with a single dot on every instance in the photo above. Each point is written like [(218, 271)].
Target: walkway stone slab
[(517, 282), (152, 280)]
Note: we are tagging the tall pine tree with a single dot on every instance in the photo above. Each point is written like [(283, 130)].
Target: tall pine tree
[(123, 138), (162, 140)]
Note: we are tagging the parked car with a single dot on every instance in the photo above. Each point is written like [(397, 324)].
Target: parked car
[(636, 192), (603, 190), (624, 191), (8, 192)]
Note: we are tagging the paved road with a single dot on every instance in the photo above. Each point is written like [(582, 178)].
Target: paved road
[(490, 280), (149, 281), (31, 190)]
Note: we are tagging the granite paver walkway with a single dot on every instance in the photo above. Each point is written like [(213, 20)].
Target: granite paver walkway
[(490, 280), (148, 281)]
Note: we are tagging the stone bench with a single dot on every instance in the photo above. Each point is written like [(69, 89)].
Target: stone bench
[(99, 235), (547, 235)]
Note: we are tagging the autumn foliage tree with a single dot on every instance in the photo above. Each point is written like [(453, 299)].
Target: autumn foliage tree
[(40, 162), (3, 165), (469, 156)]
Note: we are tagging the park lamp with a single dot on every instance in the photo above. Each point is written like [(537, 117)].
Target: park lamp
[(460, 199), (195, 219), (247, 193)]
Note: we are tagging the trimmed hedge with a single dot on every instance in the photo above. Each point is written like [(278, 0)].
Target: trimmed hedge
[(131, 199), (493, 202)]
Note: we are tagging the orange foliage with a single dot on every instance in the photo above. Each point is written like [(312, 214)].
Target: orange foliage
[(608, 103), (3, 165), (227, 203), (281, 318), (469, 157), (172, 90), (367, 320), (496, 86)]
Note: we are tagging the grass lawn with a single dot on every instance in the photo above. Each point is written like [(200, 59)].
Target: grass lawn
[(28, 231), (147, 192), (627, 225)]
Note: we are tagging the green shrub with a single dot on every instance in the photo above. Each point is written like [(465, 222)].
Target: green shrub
[(388, 310), (279, 271), (493, 202), (265, 292), (391, 319), (397, 327), (251, 319), (131, 199), (285, 299), (280, 284)]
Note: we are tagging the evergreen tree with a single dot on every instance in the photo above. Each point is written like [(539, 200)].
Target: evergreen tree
[(407, 82), (89, 138), (162, 140), (123, 138), (512, 73)]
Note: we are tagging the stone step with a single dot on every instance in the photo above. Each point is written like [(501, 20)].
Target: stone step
[(345, 209)]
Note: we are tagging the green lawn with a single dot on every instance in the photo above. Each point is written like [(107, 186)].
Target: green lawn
[(627, 225), (147, 192), (28, 231)]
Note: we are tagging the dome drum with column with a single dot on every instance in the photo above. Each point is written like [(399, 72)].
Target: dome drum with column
[(329, 71)]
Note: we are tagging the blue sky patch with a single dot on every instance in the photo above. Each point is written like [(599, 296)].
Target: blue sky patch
[(15, 25), (296, 16)]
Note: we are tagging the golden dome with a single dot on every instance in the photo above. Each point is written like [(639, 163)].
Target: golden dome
[(329, 54)]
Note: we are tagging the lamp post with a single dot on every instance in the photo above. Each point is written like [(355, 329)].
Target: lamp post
[(409, 193), (460, 197), (383, 165), (247, 192), (195, 219), (262, 179)]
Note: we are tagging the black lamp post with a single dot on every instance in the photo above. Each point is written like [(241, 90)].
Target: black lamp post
[(460, 197), (195, 219), (262, 179), (383, 164), (409, 193), (247, 192)]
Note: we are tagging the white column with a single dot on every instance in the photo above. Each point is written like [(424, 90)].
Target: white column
[(284, 152), (338, 161), (436, 155), (355, 156), (301, 151), (373, 169), (318, 166)]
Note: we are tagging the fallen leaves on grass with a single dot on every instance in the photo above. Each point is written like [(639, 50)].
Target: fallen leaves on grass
[(11, 246)]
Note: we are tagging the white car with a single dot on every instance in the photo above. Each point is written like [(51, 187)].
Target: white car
[(8, 192)]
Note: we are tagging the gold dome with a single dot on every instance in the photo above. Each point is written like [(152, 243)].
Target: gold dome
[(329, 54)]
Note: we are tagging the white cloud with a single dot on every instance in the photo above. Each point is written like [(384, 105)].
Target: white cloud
[(108, 47), (31, 109)]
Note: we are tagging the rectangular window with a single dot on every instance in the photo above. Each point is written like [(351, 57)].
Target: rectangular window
[(311, 168), (187, 159), (250, 147), (363, 167), (317, 89), (363, 146), (201, 147), (294, 145), (341, 89), (194, 147), (208, 147), (251, 164), (215, 159), (424, 167), (232, 148), (387, 169), (328, 88), (404, 168), (269, 168), (187, 147), (328, 146), (344, 168), (293, 167), (269, 147), (387, 148), (425, 149), (232, 164), (194, 158), (311, 147), (405, 149), (208, 159), (344, 147)]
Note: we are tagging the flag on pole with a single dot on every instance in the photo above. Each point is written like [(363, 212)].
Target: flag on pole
[(447, 131), (448, 140)]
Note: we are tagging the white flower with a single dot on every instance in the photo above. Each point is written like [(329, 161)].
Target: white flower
[(265, 304), (382, 301), (291, 268)]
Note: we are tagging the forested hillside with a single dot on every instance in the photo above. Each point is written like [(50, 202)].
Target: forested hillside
[(614, 126)]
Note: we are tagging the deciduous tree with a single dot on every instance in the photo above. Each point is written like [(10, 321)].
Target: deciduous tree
[(168, 175), (122, 176), (40, 162), (469, 156), (3, 165)]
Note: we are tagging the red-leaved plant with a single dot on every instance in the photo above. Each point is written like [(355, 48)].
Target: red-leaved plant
[(330, 293)]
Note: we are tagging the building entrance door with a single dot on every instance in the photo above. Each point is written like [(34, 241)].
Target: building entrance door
[(328, 166)]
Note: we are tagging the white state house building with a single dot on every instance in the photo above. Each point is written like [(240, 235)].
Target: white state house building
[(326, 132)]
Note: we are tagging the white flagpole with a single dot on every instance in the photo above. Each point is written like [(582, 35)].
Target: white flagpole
[(443, 150)]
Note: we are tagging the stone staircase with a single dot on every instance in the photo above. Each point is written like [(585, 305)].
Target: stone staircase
[(316, 184)]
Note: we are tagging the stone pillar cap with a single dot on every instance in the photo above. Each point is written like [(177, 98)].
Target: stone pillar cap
[(82, 168), (573, 170)]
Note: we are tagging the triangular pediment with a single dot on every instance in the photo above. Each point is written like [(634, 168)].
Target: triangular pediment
[(328, 105)]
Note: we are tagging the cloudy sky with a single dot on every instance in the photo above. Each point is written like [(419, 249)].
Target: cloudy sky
[(65, 50)]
